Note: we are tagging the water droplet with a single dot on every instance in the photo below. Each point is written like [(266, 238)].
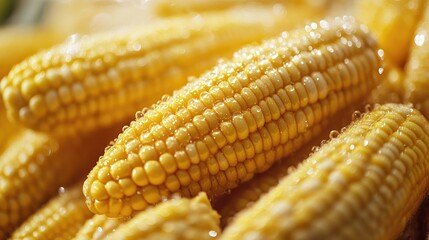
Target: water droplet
[(108, 147), (164, 199), (315, 149), (213, 234), (323, 142), (139, 115), (365, 143), (352, 146), (165, 97), (368, 108), (333, 134), (356, 115), (176, 196), (343, 129), (124, 128), (419, 39), (61, 190), (380, 53)]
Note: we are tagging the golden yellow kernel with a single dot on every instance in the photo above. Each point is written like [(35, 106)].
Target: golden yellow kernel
[(138, 175), (151, 194), (183, 177), (212, 165), (120, 169), (172, 183), (98, 191), (138, 203), (182, 135), (202, 150), (114, 189), (52, 100), (128, 186), (115, 205), (147, 153), (219, 138), (194, 172), (102, 206), (229, 131), (168, 162), (155, 172), (211, 118), (37, 105), (182, 159), (28, 89), (104, 174)]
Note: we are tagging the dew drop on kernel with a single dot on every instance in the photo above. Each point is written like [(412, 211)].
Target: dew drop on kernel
[(213, 233), (61, 190), (356, 115), (333, 134), (139, 114), (368, 108)]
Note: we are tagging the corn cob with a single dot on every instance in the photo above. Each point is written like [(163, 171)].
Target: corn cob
[(98, 227), (60, 218), (364, 184), (236, 120), (416, 79), (385, 17), (174, 219), (246, 194), (35, 166), (170, 7), (76, 86), (17, 43)]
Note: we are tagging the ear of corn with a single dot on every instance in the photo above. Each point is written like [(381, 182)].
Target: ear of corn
[(60, 218), (236, 120), (174, 219), (17, 43), (364, 184), (385, 17), (416, 77), (98, 227), (311, 9), (75, 87), (248, 193), (35, 166)]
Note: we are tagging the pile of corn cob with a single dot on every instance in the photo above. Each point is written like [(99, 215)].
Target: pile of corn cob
[(233, 120)]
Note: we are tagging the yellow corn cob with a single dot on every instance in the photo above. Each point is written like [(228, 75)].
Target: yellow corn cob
[(391, 88), (17, 43), (98, 227), (386, 17), (171, 7), (60, 218), (102, 79), (364, 184), (236, 120), (416, 77), (174, 219), (248, 193), (35, 166)]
